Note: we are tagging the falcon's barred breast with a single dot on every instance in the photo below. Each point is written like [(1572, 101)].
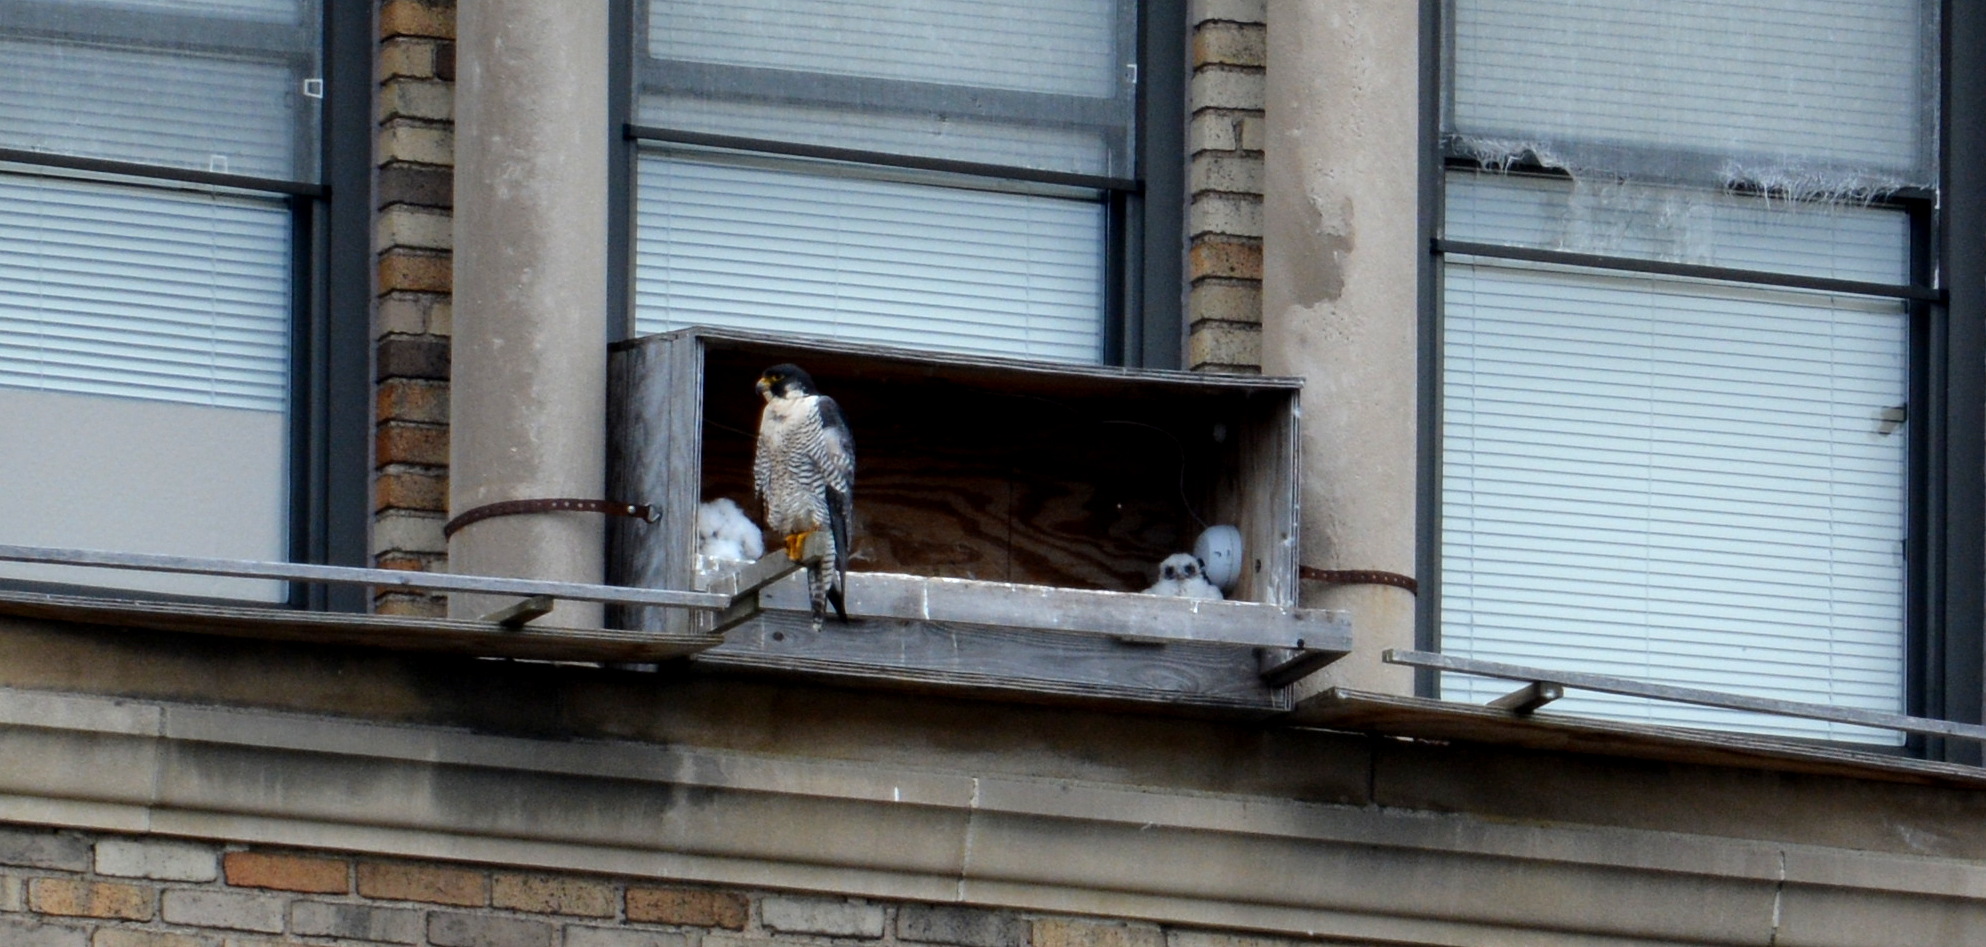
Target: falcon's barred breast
[(804, 475)]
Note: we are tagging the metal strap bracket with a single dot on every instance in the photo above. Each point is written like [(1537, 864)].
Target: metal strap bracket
[(641, 511), (1359, 577)]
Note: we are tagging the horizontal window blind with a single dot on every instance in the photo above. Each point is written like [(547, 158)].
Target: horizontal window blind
[(866, 260), (1071, 47), (1866, 243), (240, 113), (1675, 482), (143, 293), (1804, 92)]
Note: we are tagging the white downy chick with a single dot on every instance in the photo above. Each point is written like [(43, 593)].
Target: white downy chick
[(1183, 575), (724, 534)]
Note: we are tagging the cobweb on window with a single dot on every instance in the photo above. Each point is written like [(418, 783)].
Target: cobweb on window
[(1808, 100)]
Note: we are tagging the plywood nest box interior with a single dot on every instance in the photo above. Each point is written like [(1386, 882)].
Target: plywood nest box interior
[(1016, 496)]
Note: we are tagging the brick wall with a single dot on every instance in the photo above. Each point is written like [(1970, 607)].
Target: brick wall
[(1224, 139), (66, 889), (413, 237)]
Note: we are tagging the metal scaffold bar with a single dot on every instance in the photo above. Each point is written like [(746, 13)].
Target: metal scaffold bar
[(1686, 695), (352, 575)]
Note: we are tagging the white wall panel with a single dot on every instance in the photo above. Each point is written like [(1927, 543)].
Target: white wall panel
[(98, 472)]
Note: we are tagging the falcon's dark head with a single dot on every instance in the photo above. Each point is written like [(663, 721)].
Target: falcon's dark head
[(782, 381)]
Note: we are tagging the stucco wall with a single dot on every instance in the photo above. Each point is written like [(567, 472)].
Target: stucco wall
[(1340, 296)]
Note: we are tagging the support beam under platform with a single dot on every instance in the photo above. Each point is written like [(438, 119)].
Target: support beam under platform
[(1038, 642)]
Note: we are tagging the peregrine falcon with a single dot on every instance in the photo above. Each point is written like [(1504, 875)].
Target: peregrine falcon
[(804, 475)]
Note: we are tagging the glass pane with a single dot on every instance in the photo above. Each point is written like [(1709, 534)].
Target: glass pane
[(1069, 47), (272, 11), (1674, 482), (1680, 224), (1812, 95), (206, 87), (887, 262), (144, 379), (1041, 84)]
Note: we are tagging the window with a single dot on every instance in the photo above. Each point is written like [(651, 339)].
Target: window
[(163, 244), (947, 175), (1683, 288)]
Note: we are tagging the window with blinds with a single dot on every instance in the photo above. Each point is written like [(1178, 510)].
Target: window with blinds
[(974, 149), (886, 262), (231, 88), (1829, 95), (147, 322), (1696, 476)]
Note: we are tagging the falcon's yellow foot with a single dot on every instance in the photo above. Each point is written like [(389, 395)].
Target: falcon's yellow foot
[(796, 546)]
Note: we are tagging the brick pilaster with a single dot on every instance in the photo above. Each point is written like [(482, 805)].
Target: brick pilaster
[(414, 241), (1224, 214)]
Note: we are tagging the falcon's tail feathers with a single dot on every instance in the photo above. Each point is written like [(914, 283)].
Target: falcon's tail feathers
[(834, 598), (823, 591)]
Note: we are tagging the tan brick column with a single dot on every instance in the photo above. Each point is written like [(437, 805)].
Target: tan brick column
[(528, 400), (1224, 175), (413, 236)]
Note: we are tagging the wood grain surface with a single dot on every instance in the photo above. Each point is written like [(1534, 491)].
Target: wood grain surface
[(1025, 482), (1027, 662)]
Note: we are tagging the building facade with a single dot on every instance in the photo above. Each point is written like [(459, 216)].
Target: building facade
[(1637, 340)]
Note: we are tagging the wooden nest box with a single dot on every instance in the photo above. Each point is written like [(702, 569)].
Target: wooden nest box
[(1008, 492)]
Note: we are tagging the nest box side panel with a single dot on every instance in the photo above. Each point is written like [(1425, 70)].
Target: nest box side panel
[(657, 393), (1257, 494), (1275, 515)]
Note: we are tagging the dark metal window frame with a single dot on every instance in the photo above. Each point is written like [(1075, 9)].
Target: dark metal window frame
[(1945, 302), (331, 272), (1143, 295)]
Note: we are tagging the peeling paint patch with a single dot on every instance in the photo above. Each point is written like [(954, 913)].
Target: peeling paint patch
[(1327, 242)]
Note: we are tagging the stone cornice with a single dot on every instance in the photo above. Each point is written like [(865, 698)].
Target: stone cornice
[(889, 831)]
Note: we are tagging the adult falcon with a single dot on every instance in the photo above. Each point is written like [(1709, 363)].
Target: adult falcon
[(804, 477)]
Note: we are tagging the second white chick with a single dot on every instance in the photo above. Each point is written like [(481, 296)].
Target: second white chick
[(725, 534), (1183, 575)]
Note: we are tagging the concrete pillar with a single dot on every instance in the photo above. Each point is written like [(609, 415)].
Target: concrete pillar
[(1339, 307), (528, 390)]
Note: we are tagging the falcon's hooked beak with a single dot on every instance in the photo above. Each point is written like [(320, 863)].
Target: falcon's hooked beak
[(764, 387)]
